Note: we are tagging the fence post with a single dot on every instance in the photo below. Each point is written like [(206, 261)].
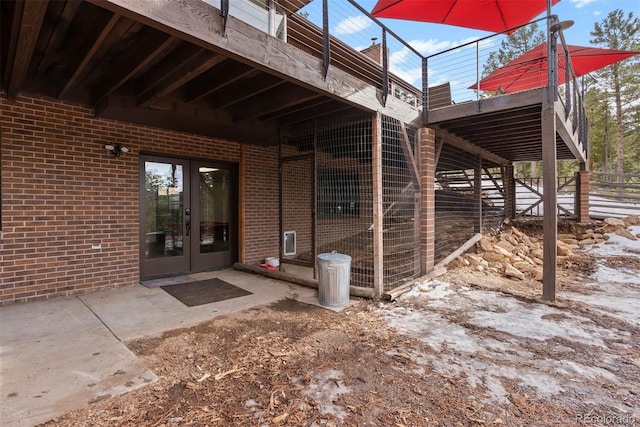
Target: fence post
[(385, 68), (425, 91), (326, 54)]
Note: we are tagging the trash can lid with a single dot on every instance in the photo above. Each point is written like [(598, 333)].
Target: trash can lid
[(334, 257)]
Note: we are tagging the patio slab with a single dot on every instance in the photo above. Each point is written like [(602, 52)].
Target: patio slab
[(61, 354)]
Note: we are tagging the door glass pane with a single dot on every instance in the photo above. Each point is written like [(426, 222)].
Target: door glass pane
[(214, 209), (164, 189)]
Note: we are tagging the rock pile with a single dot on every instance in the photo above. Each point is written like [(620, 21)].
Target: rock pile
[(514, 254)]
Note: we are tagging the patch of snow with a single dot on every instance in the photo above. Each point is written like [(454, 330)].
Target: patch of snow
[(432, 329), (606, 274), (325, 388), (617, 245), (529, 322)]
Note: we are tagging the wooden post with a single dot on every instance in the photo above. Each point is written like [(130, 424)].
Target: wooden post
[(378, 248), (550, 201), (242, 176), (477, 188)]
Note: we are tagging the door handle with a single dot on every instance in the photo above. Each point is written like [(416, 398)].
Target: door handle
[(188, 226)]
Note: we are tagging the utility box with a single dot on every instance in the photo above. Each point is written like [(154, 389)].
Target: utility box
[(334, 272)]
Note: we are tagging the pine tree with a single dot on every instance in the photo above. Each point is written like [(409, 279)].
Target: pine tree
[(622, 79), (521, 41)]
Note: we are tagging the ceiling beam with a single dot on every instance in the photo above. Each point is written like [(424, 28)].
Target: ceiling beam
[(88, 55), (201, 24), (183, 72), (190, 118), (56, 40), (219, 78), (464, 145), (30, 24), (150, 46)]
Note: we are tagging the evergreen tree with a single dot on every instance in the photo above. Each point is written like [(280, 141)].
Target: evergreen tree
[(622, 79), (521, 41)]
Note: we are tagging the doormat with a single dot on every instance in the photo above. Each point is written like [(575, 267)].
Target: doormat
[(204, 292)]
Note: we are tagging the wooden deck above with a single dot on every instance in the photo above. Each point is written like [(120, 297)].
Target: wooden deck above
[(172, 64), (508, 126)]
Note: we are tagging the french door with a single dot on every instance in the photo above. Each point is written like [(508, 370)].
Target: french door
[(188, 215)]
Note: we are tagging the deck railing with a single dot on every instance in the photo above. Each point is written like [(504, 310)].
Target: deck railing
[(346, 36)]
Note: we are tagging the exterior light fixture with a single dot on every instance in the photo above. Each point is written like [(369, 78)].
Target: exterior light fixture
[(116, 149), (561, 26)]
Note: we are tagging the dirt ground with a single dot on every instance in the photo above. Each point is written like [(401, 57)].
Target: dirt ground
[(470, 349)]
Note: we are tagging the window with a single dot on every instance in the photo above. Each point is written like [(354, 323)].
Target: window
[(338, 193)]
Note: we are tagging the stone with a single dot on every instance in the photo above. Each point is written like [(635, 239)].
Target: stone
[(563, 249), (524, 267), (615, 221), (537, 253), (511, 271), (493, 257), (516, 232), (632, 220), (504, 245), (569, 241), (585, 242), (623, 232), (485, 244)]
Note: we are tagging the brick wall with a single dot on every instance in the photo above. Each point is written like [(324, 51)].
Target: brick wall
[(428, 207), (62, 192)]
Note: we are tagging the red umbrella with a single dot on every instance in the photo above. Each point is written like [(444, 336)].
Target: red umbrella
[(530, 70), (490, 15)]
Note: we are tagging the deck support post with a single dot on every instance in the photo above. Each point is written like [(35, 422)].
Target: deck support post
[(427, 150), (477, 189), (550, 201), (378, 212), (509, 184), (581, 209)]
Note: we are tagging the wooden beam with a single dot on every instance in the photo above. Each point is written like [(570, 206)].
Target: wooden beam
[(88, 55), (56, 40), (460, 143), (570, 138), (151, 45), (189, 118), (356, 291), (200, 23), (462, 249), (378, 246), (30, 23), (408, 154), (242, 195), (490, 105), (281, 101), (477, 189), (222, 79), (181, 75)]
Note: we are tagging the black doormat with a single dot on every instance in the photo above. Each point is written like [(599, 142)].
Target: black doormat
[(204, 292)]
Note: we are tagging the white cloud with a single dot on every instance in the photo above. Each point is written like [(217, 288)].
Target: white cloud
[(582, 3), (353, 24), (597, 12)]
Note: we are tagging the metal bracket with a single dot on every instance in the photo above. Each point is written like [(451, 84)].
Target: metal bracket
[(224, 12)]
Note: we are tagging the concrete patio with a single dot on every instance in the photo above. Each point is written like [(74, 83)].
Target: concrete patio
[(63, 353)]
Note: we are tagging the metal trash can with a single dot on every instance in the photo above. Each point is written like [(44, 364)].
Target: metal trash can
[(334, 272)]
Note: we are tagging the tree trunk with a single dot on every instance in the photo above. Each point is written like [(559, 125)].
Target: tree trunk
[(533, 169), (620, 132)]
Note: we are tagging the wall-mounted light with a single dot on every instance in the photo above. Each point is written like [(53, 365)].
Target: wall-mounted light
[(116, 149)]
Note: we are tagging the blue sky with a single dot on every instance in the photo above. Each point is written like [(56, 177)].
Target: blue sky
[(461, 66)]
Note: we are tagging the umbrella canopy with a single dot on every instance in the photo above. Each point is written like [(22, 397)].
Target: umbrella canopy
[(530, 70), (489, 15)]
